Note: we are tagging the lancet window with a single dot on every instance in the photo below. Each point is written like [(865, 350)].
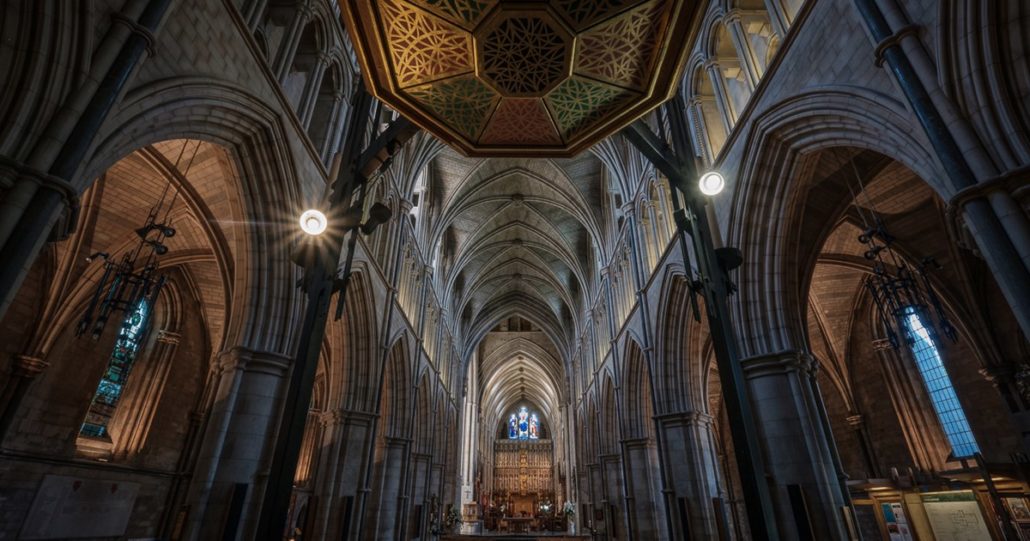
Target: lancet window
[(112, 383)]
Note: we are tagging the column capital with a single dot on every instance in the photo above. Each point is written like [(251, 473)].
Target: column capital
[(732, 16), (305, 11), (242, 358), (783, 362), (636, 443), (856, 422), (168, 337), (882, 344), (686, 418), (28, 367), (394, 441), (42, 179)]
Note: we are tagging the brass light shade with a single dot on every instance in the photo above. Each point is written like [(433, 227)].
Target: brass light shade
[(506, 78)]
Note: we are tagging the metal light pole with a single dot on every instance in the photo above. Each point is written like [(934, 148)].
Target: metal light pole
[(320, 255), (677, 164)]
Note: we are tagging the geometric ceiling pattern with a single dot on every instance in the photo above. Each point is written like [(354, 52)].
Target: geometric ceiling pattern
[(502, 78)]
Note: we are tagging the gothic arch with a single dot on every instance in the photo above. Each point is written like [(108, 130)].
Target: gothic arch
[(679, 365), (771, 189), (398, 383), (356, 354), (268, 190)]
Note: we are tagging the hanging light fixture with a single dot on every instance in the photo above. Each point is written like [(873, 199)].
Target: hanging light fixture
[(134, 278), (898, 289)]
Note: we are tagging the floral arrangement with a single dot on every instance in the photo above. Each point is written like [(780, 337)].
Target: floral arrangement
[(569, 509), (451, 518)]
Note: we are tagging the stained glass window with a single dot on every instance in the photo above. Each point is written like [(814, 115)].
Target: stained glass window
[(109, 390), (523, 425), (938, 384)]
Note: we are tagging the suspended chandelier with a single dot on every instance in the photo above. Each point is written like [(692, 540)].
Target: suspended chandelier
[(898, 289), (134, 278)]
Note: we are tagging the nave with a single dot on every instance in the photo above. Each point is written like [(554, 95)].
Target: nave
[(480, 269)]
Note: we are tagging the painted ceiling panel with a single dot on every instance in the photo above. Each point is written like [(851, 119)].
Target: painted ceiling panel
[(503, 78)]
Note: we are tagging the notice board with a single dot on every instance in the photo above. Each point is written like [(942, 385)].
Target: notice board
[(955, 516)]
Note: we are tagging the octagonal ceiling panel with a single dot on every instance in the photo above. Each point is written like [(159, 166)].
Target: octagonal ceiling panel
[(528, 78)]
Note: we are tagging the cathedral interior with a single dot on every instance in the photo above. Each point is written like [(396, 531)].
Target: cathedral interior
[(460, 269)]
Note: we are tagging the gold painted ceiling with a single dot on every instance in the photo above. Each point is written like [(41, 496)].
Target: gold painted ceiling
[(504, 78)]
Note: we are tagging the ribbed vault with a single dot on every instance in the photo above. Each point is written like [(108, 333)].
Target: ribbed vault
[(521, 370), (516, 237)]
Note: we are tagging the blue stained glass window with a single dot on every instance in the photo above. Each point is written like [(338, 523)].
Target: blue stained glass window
[(523, 426), (109, 390), (938, 384)]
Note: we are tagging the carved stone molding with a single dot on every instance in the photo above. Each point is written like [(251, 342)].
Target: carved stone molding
[(241, 358), (169, 337), (779, 363), (26, 366)]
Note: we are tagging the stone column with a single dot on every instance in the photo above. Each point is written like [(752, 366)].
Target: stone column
[(640, 457), (237, 443), (343, 466), (613, 499), (778, 16), (1001, 229), (799, 459), (722, 98), (288, 48), (27, 215), (742, 44), (386, 516), (595, 490), (311, 91), (706, 147), (26, 178), (253, 12), (421, 466), (332, 139), (693, 466)]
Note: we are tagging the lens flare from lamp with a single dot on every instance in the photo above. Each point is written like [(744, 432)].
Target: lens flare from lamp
[(711, 183), (313, 222)]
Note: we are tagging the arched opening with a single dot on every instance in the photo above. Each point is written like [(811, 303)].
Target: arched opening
[(135, 398), (911, 414)]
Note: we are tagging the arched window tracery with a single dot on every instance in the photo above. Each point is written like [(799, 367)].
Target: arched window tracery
[(523, 425)]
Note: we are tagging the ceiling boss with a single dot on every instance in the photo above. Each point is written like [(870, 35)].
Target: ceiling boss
[(500, 78)]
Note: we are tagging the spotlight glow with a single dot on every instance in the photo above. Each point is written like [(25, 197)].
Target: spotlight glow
[(313, 222), (711, 183)]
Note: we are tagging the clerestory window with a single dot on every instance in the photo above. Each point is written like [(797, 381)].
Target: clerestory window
[(938, 384)]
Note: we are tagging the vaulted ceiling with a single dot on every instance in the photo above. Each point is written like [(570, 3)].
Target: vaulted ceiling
[(517, 237)]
